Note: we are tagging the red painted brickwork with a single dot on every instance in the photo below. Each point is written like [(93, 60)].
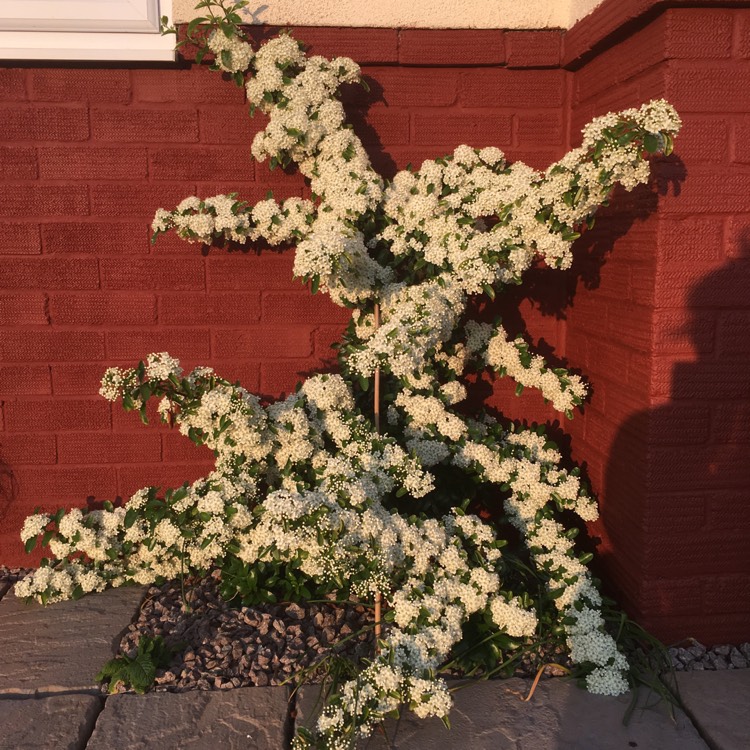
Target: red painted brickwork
[(654, 313), (663, 337), (533, 49), (459, 47)]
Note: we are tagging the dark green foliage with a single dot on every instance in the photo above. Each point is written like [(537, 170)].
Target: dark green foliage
[(267, 582), (138, 672)]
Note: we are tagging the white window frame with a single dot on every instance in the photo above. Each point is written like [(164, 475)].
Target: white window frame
[(84, 30)]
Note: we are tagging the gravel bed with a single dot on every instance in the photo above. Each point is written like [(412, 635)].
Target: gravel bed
[(222, 647)]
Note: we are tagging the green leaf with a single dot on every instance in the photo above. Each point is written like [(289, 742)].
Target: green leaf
[(140, 673), (193, 25), (651, 143), (315, 285), (226, 58), (30, 544), (130, 515)]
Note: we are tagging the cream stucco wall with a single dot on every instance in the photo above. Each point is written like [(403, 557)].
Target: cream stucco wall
[(450, 14), (577, 9)]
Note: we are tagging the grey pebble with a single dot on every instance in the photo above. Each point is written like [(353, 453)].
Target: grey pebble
[(719, 657), (737, 660)]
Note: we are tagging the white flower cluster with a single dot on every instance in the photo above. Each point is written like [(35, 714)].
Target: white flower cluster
[(513, 358), (341, 264), (656, 117), (417, 319), (438, 216), (516, 620), (74, 579), (441, 590), (232, 54), (115, 381), (224, 217), (427, 414), (161, 366), (530, 468), (108, 548), (253, 445), (575, 186), (33, 526)]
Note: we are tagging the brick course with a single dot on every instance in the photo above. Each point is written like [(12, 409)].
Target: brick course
[(44, 122), (20, 238)]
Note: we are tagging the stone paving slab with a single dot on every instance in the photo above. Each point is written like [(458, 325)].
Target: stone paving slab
[(247, 718), (56, 722), (560, 716), (719, 704), (62, 646)]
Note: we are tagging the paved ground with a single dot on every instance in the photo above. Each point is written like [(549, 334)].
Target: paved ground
[(50, 701)]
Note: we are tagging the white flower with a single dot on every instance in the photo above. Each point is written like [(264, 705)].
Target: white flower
[(33, 526)]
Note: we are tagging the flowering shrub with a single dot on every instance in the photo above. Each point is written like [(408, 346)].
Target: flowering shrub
[(307, 489)]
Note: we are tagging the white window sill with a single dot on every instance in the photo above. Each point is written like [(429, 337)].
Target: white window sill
[(84, 30)]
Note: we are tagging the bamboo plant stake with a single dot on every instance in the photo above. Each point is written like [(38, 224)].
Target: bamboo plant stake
[(376, 398)]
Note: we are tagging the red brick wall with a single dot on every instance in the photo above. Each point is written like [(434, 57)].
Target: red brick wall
[(653, 314)]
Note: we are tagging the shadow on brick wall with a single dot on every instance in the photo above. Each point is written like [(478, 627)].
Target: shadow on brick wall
[(679, 533)]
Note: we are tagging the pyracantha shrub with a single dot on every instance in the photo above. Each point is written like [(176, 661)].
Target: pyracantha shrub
[(306, 493)]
